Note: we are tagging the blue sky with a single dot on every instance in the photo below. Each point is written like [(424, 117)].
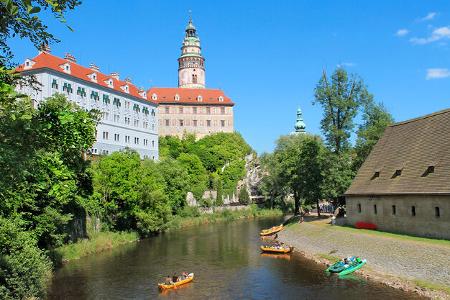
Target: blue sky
[(268, 55)]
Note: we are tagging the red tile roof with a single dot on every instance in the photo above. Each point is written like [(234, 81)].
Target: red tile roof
[(189, 96), (49, 61)]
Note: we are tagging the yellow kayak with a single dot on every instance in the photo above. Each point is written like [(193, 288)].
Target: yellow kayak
[(271, 231), (276, 250), (163, 286)]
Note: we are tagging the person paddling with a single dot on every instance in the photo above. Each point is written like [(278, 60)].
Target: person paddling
[(168, 280)]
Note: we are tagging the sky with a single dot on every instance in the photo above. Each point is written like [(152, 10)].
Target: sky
[(269, 55)]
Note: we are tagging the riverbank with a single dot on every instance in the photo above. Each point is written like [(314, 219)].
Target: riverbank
[(103, 241), (413, 264)]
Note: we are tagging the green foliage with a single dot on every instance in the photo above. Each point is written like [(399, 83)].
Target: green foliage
[(24, 269), (219, 189), (232, 173), (340, 97), (21, 18), (375, 120), (198, 176), (177, 182), (244, 198)]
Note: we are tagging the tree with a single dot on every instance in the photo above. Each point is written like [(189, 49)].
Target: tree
[(177, 182), (21, 18), (340, 97), (244, 198), (198, 177), (375, 120)]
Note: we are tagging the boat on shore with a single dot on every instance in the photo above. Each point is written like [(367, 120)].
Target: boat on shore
[(271, 231), (163, 286), (277, 249), (346, 267)]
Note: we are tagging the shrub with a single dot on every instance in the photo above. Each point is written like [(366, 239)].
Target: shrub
[(24, 269)]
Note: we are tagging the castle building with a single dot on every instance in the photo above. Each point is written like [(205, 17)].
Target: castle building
[(404, 184), (191, 107), (129, 117)]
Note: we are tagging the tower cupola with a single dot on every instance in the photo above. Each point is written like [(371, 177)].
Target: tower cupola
[(191, 64), (300, 126)]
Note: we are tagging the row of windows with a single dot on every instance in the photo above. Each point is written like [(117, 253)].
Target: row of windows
[(106, 152), (437, 211), (194, 110), (429, 170), (94, 95), (195, 123), (105, 136), (127, 121)]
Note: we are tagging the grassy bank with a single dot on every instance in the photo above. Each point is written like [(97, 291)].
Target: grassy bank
[(224, 216), (97, 242)]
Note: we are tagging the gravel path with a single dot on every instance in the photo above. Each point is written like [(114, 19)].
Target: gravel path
[(408, 259)]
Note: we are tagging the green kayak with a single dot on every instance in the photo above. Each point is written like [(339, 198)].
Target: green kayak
[(351, 266)]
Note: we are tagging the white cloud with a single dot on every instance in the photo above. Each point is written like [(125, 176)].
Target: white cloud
[(437, 35), (402, 32), (437, 73), (346, 64), (430, 16)]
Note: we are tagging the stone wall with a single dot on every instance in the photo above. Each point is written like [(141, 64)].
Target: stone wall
[(379, 210)]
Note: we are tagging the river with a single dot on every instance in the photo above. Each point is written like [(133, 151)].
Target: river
[(227, 264)]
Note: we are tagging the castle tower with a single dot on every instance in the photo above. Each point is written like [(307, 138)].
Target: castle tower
[(191, 64), (300, 126)]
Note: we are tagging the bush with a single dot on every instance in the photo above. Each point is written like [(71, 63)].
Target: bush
[(244, 198), (24, 269)]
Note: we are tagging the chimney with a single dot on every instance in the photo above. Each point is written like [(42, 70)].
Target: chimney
[(70, 58), (115, 75), (45, 48), (93, 67), (128, 80)]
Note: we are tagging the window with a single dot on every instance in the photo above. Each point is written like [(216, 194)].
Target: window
[(199, 98), (177, 97), (127, 139), (194, 122), (167, 110), (145, 142), (397, 173), (105, 116), (428, 171), (222, 110), (208, 110), (413, 211), (208, 123), (116, 102), (145, 111), (106, 99), (375, 209), (116, 118), (136, 140), (136, 123), (116, 137), (95, 96), (81, 92), (167, 122), (54, 84), (437, 213), (394, 210), (375, 175), (105, 135), (194, 110), (194, 78), (222, 123), (127, 120), (136, 108), (67, 87), (180, 110), (220, 99), (359, 207), (181, 122), (153, 144)]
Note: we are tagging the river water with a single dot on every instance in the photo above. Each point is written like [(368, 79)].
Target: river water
[(227, 264)]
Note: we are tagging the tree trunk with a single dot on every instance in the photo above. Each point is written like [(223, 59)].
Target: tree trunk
[(296, 204), (318, 208)]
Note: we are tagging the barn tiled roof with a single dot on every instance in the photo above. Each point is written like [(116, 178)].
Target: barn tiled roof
[(189, 96), (413, 147)]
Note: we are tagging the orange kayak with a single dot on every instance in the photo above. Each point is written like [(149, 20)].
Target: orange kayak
[(271, 231), (276, 250), (163, 286)]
